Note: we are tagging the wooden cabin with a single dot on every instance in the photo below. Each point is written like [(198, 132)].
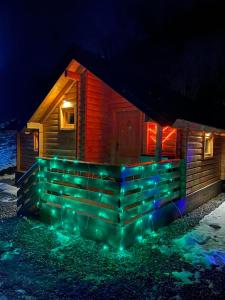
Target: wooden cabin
[(93, 163)]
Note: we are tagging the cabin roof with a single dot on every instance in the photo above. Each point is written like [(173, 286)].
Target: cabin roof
[(158, 102), (60, 86)]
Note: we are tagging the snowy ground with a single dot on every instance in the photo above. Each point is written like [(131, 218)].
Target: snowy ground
[(7, 149), (206, 243), (203, 246), (181, 262)]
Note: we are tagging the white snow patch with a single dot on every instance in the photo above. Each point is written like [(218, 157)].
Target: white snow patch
[(7, 149), (8, 176), (186, 277), (63, 242), (9, 189), (204, 245), (8, 199)]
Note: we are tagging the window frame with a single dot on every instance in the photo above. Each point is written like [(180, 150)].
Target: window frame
[(210, 137), (67, 105), (150, 140), (36, 141)]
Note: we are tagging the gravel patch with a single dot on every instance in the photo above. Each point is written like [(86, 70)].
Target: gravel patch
[(37, 262)]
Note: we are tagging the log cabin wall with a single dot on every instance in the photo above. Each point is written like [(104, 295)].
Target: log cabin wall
[(60, 143), (26, 150), (101, 103), (202, 175), (81, 119), (201, 172), (97, 120), (223, 158)]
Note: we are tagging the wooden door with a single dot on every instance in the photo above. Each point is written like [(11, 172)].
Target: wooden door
[(128, 136)]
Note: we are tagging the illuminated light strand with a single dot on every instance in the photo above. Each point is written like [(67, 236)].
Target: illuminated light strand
[(153, 131), (151, 136), (99, 231), (169, 135), (154, 140)]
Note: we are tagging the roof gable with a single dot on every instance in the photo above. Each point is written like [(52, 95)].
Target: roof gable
[(61, 86)]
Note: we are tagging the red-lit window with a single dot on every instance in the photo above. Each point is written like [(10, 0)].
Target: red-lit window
[(169, 140), (151, 138)]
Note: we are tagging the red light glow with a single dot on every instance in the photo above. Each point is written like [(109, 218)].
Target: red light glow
[(169, 139)]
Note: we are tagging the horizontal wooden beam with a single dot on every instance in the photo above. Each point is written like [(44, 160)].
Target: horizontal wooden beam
[(72, 75)]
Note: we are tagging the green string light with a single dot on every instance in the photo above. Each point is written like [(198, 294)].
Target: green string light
[(140, 238), (105, 247), (123, 168), (142, 189)]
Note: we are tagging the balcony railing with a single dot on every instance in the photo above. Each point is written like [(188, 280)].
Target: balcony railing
[(110, 203)]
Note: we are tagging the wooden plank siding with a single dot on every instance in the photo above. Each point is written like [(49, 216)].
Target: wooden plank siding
[(101, 104), (60, 143), (81, 107), (97, 121), (223, 158), (27, 153), (200, 172)]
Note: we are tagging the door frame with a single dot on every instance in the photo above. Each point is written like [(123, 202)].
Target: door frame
[(39, 127)]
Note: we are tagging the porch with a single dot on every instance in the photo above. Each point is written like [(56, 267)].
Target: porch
[(115, 204)]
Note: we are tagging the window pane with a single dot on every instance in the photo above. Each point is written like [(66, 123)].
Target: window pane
[(208, 145), (169, 140), (71, 118), (36, 141), (67, 117)]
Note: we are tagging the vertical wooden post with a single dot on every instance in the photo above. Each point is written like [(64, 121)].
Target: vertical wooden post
[(41, 140), (178, 151), (158, 146), (77, 114)]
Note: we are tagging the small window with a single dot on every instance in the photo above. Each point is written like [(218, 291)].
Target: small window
[(208, 145), (67, 115), (36, 141), (169, 140)]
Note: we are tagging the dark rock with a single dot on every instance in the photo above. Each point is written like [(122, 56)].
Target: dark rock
[(215, 226)]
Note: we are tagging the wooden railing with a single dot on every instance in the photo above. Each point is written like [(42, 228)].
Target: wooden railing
[(27, 194), (101, 201), (148, 187)]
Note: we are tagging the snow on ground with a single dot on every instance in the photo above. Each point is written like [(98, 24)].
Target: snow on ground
[(5, 177), (204, 245), (7, 149), (8, 189)]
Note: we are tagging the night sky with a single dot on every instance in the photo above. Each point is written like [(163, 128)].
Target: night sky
[(35, 38)]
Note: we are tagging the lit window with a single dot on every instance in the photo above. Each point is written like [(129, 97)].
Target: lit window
[(67, 115), (151, 138), (36, 141), (169, 140), (208, 145)]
